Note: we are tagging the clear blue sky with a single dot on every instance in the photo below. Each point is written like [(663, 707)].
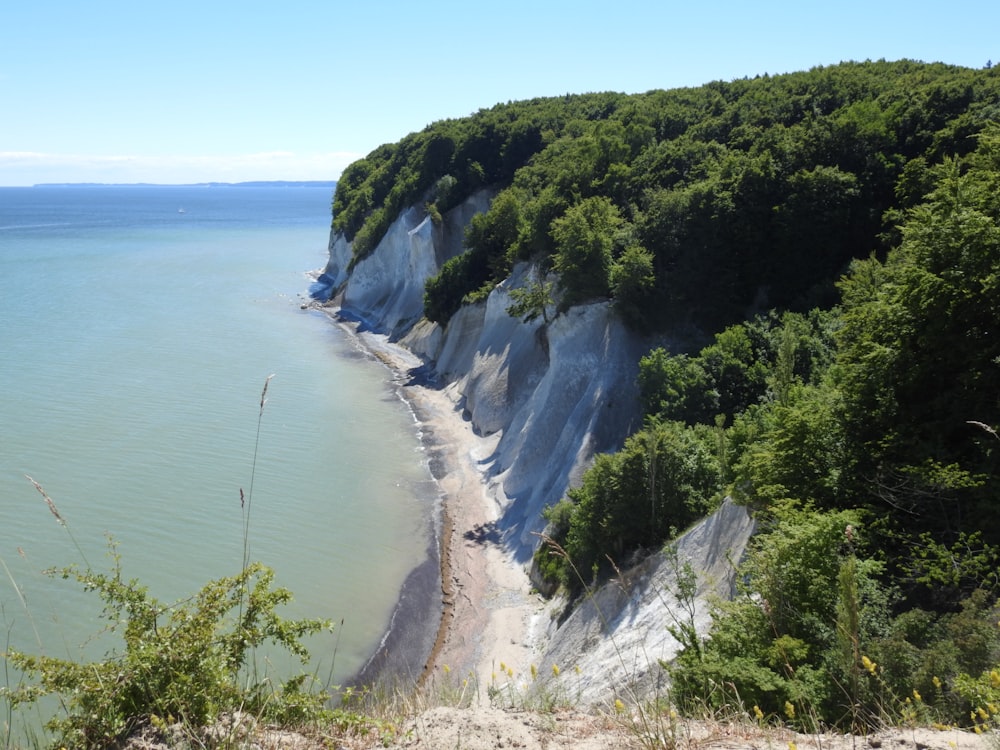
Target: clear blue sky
[(191, 91)]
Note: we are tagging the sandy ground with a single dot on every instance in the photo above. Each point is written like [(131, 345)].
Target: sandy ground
[(490, 612)]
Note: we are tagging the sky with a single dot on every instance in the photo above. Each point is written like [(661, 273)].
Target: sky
[(214, 90)]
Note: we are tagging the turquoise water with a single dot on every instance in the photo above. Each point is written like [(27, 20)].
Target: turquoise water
[(137, 327)]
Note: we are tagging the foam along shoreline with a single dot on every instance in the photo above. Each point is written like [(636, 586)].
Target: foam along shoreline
[(468, 607)]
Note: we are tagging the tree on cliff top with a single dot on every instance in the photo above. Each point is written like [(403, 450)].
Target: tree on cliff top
[(746, 195)]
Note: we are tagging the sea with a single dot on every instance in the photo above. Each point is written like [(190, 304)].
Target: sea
[(138, 327)]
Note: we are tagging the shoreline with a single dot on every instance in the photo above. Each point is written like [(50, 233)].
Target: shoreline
[(487, 614)]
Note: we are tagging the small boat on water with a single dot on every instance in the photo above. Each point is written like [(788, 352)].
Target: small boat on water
[(181, 210)]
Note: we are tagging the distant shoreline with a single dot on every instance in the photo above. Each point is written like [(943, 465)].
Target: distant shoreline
[(255, 183)]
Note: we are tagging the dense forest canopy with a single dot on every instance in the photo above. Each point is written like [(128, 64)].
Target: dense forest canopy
[(690, 206), (829, 243)]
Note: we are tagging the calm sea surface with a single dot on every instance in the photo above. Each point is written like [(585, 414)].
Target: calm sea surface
[(137, 327)]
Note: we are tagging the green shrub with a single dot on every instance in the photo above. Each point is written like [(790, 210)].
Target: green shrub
[(664, 478), (190, 661)]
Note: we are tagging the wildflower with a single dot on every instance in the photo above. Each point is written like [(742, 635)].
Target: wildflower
[(503, 667), (555, 670), (534, 672), (577, 669), (916, 696), (995, 678), (447, 669), (792, 746), (758, 714), (510, 672), (789, 710), (982, 713), (619, 706), (937, 682), (868, 664)]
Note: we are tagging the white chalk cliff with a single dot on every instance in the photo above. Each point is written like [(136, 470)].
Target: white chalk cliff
[(552, 395)]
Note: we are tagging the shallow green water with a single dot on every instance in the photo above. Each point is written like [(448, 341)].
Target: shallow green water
[(134, 343)]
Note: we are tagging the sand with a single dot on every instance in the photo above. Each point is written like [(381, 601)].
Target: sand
[(490, 614)]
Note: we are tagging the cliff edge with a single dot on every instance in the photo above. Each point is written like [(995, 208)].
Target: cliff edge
[(531, 403)]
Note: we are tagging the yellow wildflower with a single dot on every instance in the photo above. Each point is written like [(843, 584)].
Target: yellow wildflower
[(789, 710), (868, 664), (619, 706), (758, 713), (555, 670)]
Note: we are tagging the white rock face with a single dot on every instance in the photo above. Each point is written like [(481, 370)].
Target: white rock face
[(386, 288), (611, 645), (554, 393)]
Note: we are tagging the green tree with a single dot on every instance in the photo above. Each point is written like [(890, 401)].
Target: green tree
[(676, 387), (633, 285), (531, 301), (918, 354), (584, 239), (665, 477)]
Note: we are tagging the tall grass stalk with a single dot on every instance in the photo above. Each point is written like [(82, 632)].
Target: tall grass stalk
[(246, 502), (246, 505), (59, 518)]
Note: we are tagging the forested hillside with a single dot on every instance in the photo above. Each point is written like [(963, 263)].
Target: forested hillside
[(829, 243)]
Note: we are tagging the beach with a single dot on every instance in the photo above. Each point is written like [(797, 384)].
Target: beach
[(489, 615)]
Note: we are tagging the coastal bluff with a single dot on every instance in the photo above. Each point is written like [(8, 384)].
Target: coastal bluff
[(540, 400)]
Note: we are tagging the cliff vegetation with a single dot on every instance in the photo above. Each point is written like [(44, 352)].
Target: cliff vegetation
[(826, 245)]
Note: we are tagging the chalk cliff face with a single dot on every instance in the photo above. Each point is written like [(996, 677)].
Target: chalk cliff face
[(546, 397), (387, 287), (554, 394), (615, 639)]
